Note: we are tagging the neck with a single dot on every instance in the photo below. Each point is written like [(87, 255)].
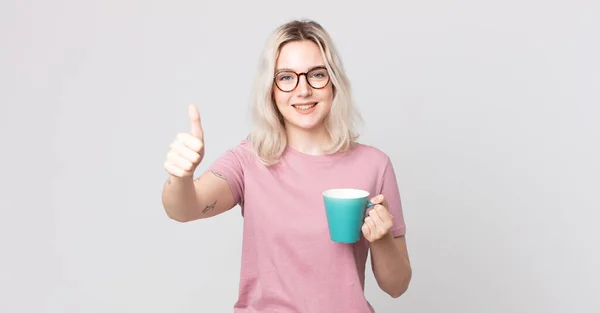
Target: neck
[(309, 141)]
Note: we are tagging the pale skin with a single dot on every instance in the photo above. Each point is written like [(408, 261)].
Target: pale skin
[(307, 134), (389, 255), (186, 199)]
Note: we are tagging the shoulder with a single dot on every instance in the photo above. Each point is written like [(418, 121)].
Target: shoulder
[(243, 147), (372, 154), (243, 151)]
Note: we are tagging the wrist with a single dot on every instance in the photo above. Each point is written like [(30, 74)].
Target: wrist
[(177, 179), (385, 240)]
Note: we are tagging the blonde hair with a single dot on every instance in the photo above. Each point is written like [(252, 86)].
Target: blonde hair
[(268, 136)]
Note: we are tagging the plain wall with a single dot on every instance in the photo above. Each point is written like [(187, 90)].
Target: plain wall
[(489, 111)]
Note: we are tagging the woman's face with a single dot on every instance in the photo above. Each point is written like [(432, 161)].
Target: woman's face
[(305, 106)]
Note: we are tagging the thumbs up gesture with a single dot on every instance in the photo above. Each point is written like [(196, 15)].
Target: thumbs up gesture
[(187, 150)]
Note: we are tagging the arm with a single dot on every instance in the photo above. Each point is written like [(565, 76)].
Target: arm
[(384, 228), (391, 265), (389, 255), (186, 200)]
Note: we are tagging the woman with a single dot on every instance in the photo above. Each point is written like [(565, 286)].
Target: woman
[(302, 143)]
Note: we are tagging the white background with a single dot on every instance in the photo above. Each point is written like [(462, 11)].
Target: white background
[(489, 111)]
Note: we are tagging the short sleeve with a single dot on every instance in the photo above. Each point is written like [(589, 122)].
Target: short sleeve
[(230, 166), (389, 189)]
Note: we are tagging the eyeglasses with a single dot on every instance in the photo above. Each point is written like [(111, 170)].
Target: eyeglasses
[(287, 81)]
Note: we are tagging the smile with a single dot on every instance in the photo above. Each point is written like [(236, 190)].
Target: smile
[(304, 107)]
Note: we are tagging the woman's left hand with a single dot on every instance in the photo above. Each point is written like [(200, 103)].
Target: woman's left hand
[(379, 221)]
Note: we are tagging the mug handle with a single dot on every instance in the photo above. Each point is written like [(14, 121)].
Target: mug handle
[(369, 204)]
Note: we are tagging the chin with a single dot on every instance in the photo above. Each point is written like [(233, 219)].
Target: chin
[(305, 124), (309, 126), (309, 122)]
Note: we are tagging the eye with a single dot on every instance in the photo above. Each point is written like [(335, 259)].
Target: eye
[(319, 74), (285, 77)]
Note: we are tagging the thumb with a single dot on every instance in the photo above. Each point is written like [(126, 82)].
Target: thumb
[(196, 125)]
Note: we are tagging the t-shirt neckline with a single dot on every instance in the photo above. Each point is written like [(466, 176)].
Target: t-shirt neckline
[(320, 158)]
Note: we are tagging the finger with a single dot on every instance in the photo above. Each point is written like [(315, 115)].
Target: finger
[(175, 171), (378, 199), (372, 228), (190, 141), (196, 124), (377, 217), (366, 231), (179, 162), (384, 212), (382, 218), (185, 152)]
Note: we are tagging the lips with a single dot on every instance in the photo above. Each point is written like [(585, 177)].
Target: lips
[(304, 106)]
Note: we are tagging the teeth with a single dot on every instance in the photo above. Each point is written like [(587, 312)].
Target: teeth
[(304, 107)]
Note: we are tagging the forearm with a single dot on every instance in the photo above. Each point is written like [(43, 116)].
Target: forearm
[(179, 198), (391, 267)]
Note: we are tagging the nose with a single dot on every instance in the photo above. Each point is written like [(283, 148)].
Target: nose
[(304, 90)]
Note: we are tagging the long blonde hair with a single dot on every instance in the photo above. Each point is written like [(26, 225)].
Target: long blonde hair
[(268, 136)]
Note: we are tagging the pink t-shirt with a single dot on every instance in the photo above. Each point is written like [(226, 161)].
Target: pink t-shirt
[(289, 263)]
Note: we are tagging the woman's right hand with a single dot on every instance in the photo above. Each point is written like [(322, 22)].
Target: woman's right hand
[(187, 150)]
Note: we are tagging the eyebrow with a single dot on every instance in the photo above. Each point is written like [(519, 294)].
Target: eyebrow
[(291, 70)]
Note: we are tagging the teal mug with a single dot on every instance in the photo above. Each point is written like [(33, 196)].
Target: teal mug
[(345, 210)]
